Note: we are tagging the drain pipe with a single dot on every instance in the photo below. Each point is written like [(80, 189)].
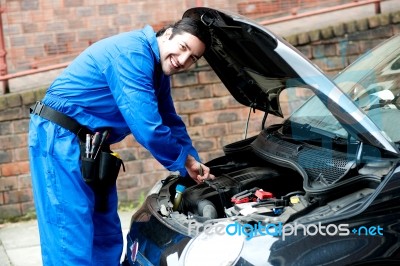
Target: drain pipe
[(3, 53)]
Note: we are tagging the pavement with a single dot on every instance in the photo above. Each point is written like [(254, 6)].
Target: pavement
[(20, 245), (19, 242)]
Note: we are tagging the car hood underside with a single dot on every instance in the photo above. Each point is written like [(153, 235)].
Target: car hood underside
[(256, 65)]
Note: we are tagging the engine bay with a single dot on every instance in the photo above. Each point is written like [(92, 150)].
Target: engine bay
[(270, 180)]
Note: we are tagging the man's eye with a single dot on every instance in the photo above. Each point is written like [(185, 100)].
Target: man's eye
[(194, 59), (183, 47)]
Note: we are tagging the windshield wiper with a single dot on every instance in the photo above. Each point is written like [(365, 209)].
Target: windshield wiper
[(324, 133), (308, 132)]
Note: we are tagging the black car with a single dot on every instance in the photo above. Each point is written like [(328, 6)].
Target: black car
[(320, 188)]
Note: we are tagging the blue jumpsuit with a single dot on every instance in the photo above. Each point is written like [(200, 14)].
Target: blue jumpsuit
[(116, 83)]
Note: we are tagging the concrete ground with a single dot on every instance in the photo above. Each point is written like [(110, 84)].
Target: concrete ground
[(20, 246)]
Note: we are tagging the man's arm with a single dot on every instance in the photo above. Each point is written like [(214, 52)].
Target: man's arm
[(130, 78)]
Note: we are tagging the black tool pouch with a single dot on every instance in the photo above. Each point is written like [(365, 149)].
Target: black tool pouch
[(109, 166), (90, 170), (100, 174)]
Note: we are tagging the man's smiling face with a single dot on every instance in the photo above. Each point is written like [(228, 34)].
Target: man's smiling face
[(178, 53)]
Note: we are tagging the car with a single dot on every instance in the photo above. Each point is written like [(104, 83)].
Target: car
[(321, 187)]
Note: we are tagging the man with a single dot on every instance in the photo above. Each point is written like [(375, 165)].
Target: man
[(120, 84)]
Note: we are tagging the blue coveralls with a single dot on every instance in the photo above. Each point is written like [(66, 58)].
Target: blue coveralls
[(115, 83)]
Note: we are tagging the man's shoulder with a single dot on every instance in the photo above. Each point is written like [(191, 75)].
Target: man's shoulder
[(123, 40), (146, 32), (141, 41)]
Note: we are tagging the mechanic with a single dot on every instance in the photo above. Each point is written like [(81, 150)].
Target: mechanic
[(118, 86)]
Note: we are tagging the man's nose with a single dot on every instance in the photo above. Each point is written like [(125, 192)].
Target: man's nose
[(185, 59)]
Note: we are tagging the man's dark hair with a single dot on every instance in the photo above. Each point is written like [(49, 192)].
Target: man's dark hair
[(192, 26)]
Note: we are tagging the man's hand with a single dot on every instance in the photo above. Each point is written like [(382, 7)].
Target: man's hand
[(197, 171)]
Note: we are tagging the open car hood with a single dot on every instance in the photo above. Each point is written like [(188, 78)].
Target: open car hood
[(255, 65)]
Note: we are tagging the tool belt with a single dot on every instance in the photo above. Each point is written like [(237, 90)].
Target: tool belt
[(60, 119), (99, 165)]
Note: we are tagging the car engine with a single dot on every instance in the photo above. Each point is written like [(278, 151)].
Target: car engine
[(269, 179)]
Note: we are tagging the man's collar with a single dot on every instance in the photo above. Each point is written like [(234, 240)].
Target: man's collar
[(151, 36)]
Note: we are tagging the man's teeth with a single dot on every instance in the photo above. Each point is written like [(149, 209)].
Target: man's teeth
[(174, 64)]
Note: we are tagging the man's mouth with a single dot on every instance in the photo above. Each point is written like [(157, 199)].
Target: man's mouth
[(174, 63)]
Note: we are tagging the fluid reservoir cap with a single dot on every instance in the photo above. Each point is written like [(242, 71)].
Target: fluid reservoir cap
[(180, 188), (294, 199)]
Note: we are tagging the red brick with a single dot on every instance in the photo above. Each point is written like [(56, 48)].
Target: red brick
[(24, 167), (10, 211), (257, 7), (184, 79), (73, 3), (133, 167), (215, 130), (27, 207), (127, 182), (195, 132), (118, 146), (20, 126), (15, 168), (199, 92), (17, 196), (8, 183), (130, 141), (9, 169), (179, 94), (225, 140), (220, 116), (185, 118), (218, 89), (122, 195), (208, 156), (151, 165), (144, 153), (24, 181), (5, 156), (206, 77), (21, 154), (13, 6), (128, 154), (149, 179), (205, 145), (11, 114), (186, 107), (13, 141)]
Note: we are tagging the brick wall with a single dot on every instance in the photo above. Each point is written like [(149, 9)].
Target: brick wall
[(334, 47), (42, 32), (213, 117), (63, 28)]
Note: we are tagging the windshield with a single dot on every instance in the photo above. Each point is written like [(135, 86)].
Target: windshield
[(373, 83)]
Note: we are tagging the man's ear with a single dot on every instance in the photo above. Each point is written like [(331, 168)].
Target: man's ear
[(168, 33)]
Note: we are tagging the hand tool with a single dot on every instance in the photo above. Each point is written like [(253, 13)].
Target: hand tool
[(201, 173), (95, 144), (87, 146), (104, 136)]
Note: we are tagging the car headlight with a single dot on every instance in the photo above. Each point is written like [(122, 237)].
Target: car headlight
[(213, 247)]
